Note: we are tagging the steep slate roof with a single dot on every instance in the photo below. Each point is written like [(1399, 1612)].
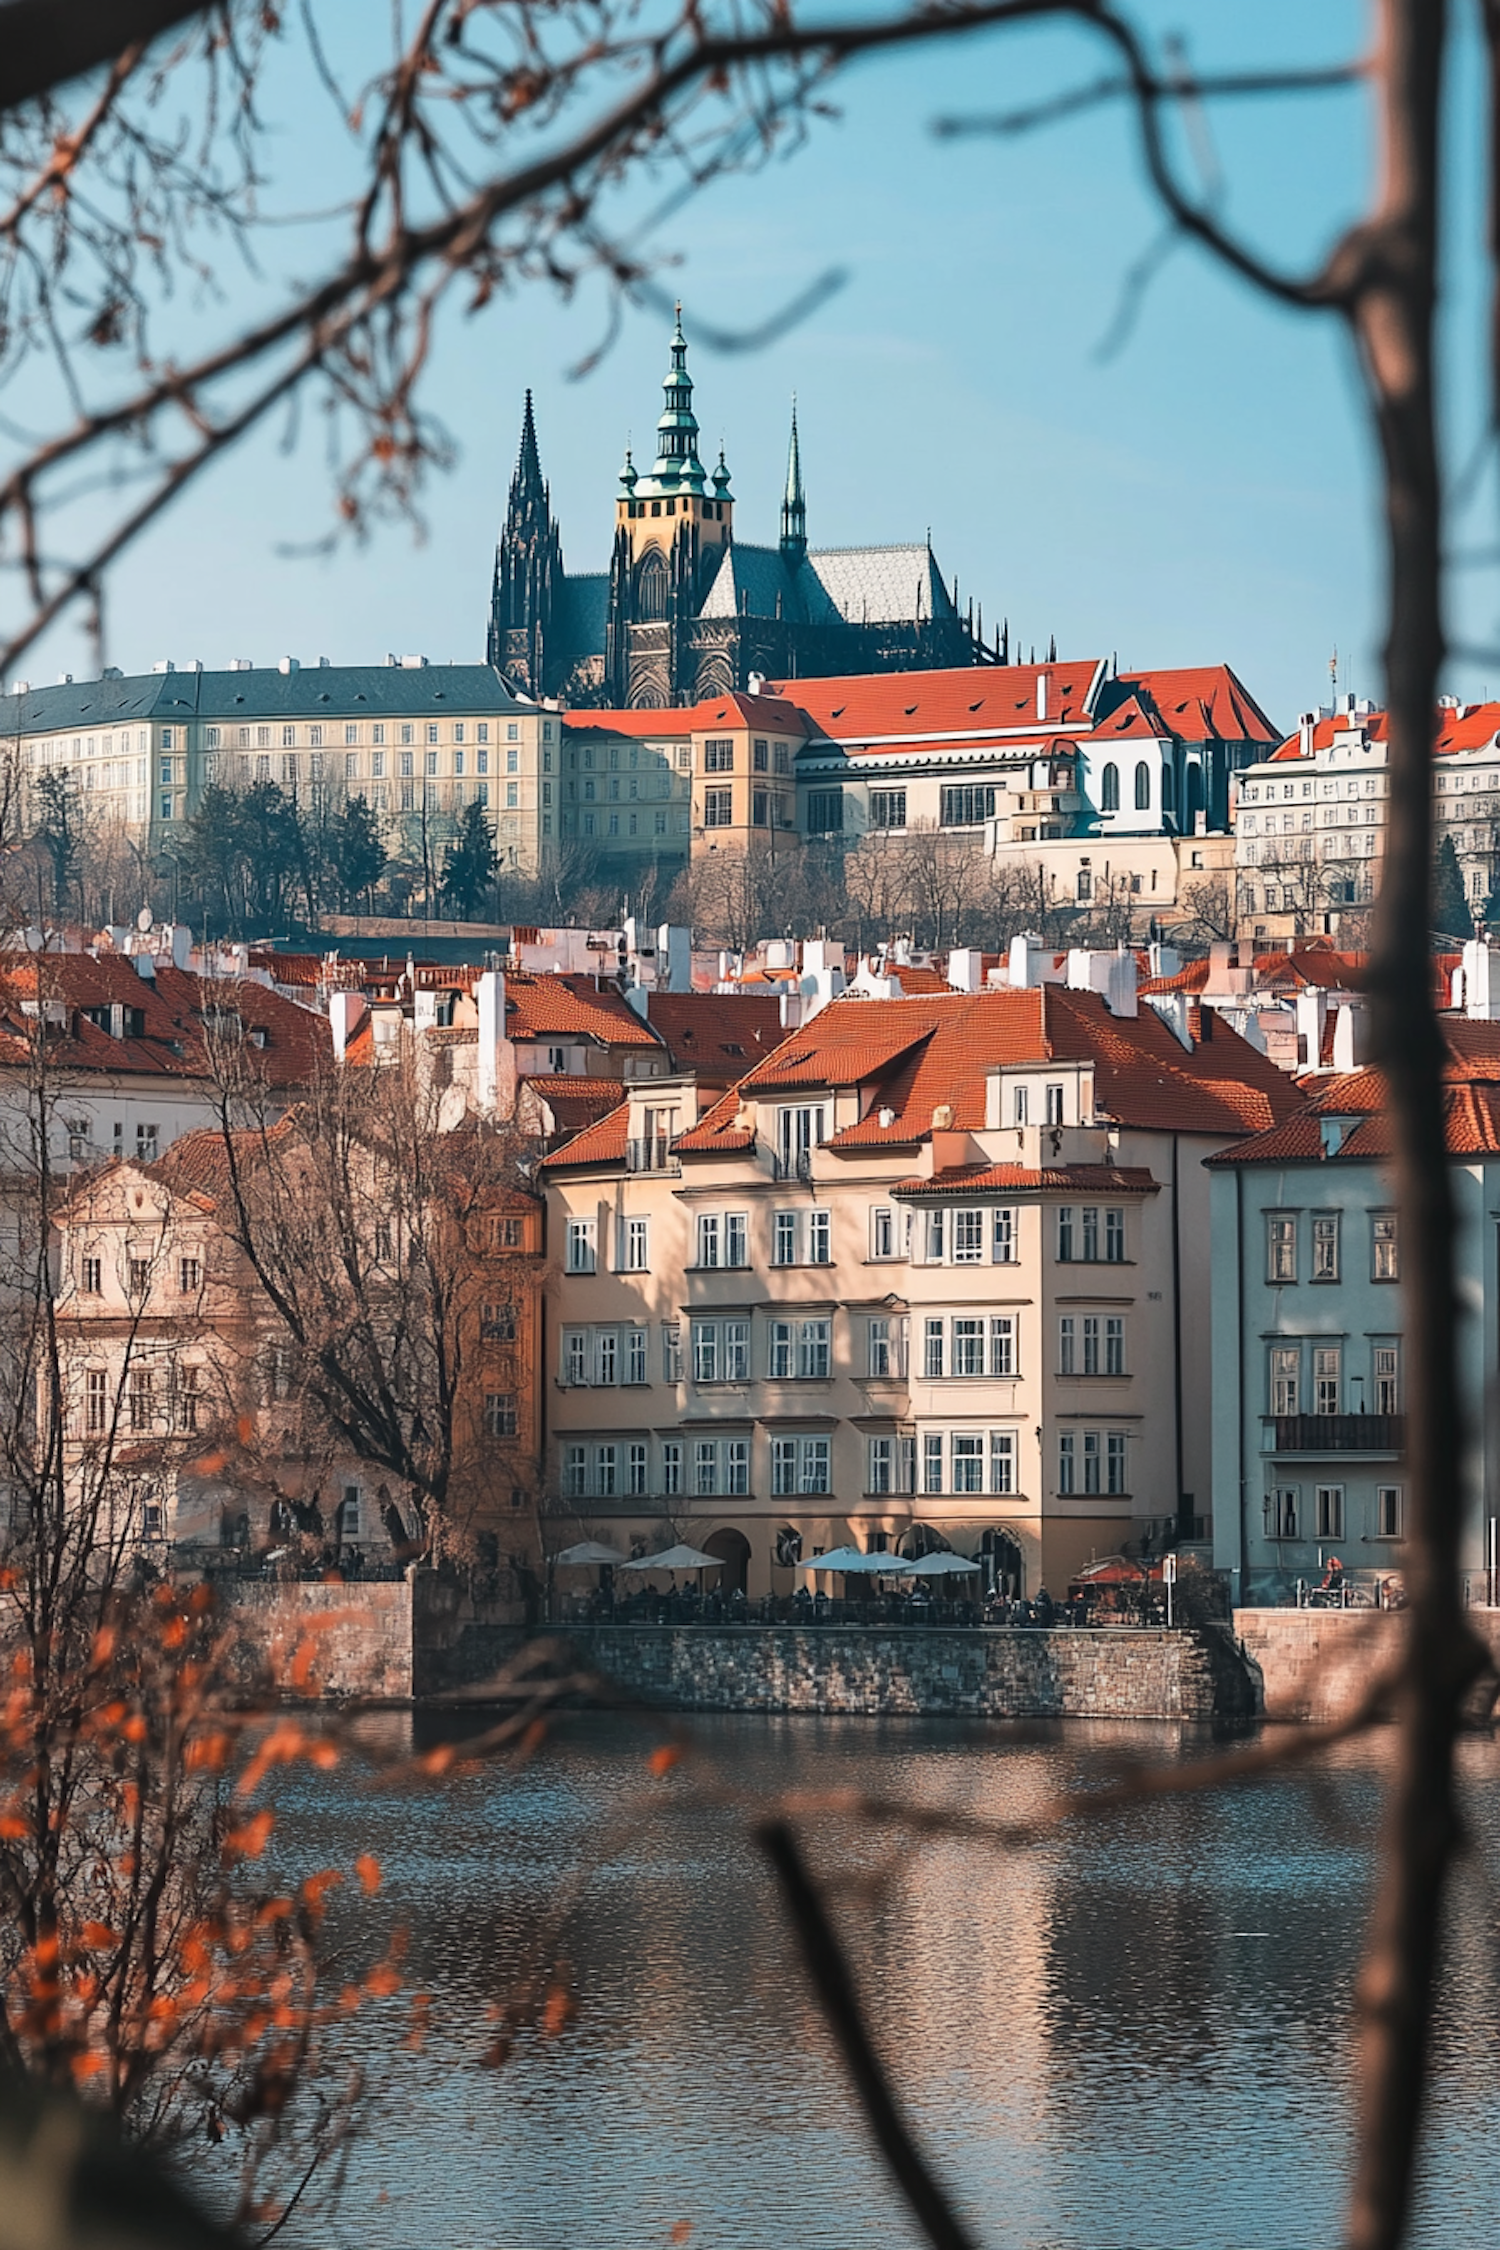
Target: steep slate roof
[(351, 690), (860, 585), (571, 1006), (917, 1055), (296, 1041)]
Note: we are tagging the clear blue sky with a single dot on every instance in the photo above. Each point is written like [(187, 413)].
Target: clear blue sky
[(1200, 495)]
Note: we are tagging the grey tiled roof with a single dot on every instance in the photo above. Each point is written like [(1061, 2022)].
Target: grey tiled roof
[(585, 601), (347, 690), (881, 585), (761, 576)]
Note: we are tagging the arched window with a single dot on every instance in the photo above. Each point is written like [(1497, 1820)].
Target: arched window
[(1109, 788), (1143, 787), (651, 589)]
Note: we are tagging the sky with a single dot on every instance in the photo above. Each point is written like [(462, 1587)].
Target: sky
[(1198, 493)]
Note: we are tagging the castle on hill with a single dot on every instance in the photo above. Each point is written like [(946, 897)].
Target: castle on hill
[(686, 611)]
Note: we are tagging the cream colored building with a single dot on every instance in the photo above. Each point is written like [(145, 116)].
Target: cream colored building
[(938, 1267), (419, 741)]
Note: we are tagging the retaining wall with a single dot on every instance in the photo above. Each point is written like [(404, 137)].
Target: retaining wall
[(1316, 1665), (361, 1632), (1120, 1673)]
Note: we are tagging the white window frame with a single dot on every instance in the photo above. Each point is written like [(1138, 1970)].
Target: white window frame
[(581, 1246)]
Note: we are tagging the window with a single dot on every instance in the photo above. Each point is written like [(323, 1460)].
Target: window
[(635, 1245), (718, 757), (881, 1473), (1067, 1345), (138, 1279), (1286, 1378), (783, 1465), (580, 1246), (1067, 1461), (500, 1414), (606, 1356), (935, 1237), (813, 1354), (968, 1346), (95, 1401), (1387, 1373), (784, 1239), (798, 1132), (637, 1481), (882, 1232), (932, 1462), (1325, 1246), (708, 1238), (1054, 1096), (1090, 1344), (1109, 788), (1020, 1107), (1385, 1264), (671, 1467), (1066, 1233), (189, 1276), (1283, 1512), (1002, 1461), (1281, 1246), (887, 808), (736, 1467), (706, 1465), (185, 1397), (966, 1454), (93, 1276), (1114, 1237), (142, 1398), (968, 1238), (575, 1472), (78, 1140), (1091, 1460), (1143, 787), (576, 1356), (819, 1238), (1388, 1511), (1003, 1241), (718, 808), (671, 1352), (878, 1348), (736, 1351), (606, 1470), (825, 812), (497, 1323), (705, 1351), (967, 806), (1114, 1346), (1002, 1344), (1327, 1370), (146, 1139), (761, 757), (932, 1350), (1114, 1464), (1329, 1505)]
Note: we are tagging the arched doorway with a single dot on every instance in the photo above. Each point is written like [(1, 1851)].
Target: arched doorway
[(733, 1550), (923, 1540), (1003, 1564)]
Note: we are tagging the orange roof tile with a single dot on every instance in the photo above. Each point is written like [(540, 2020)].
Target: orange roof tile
[(979, 700), (603, 1142), (736, 710), (1198, 703), (283, 1043), (985, 1179), (717, 1034), (542, 1007)]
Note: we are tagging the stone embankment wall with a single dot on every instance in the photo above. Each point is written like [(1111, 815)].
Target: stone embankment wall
[(1121, 1673), (361, 1633), (1317, 1665)]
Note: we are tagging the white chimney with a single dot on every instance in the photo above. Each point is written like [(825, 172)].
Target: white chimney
[(346, 1014), (1041, 695), (1026, 950), (1481, 975), (180, 943), (289, 664), (1120, 990), (495, 1089), (1350, 1036), (1172, 1007), (757, 683), (1312, 1014), (966, 968)]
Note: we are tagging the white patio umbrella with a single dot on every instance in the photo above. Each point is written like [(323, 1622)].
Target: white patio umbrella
[(941, 1565), (855, 1563), (586, 1553), (680, 1557)]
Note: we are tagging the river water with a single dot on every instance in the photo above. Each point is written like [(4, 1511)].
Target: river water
[(1132, 2036)]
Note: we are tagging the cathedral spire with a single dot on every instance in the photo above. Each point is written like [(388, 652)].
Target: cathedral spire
[(527, 484), (794, 503), (677, 468)]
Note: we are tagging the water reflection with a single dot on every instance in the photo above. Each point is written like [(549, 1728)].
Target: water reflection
[(1135, 2033)]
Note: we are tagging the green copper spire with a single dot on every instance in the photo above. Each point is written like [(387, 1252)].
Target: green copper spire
[(794, 503), (721, 479), (628, 478), (677, 468)]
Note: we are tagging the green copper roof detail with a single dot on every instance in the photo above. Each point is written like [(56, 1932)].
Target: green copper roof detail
[(677, 468)]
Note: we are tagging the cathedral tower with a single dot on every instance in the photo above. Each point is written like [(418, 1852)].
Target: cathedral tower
[(671, 528), (528, 580), (794, 505)]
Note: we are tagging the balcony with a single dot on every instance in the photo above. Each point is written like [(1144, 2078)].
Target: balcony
[(1336, 1433), (654, 1155), (797, 1166)]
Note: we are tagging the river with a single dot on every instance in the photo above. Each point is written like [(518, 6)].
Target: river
[(1132, 2036)]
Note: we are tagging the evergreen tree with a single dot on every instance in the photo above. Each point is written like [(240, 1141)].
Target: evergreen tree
[(59, 828), (356, 854), (470, 867), (1450, 909)]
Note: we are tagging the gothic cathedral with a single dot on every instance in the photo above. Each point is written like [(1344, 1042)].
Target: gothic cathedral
[(686, 611)]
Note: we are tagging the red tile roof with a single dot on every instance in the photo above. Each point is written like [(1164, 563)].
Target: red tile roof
[(1316, 964), (970, 699), (717, 1034), (544, 1007), (770, 711), (603, 1142), (576, 1102), (983, 1179), (294, 1042), (1201, 703), (1472, 1103), (1469, 726)]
